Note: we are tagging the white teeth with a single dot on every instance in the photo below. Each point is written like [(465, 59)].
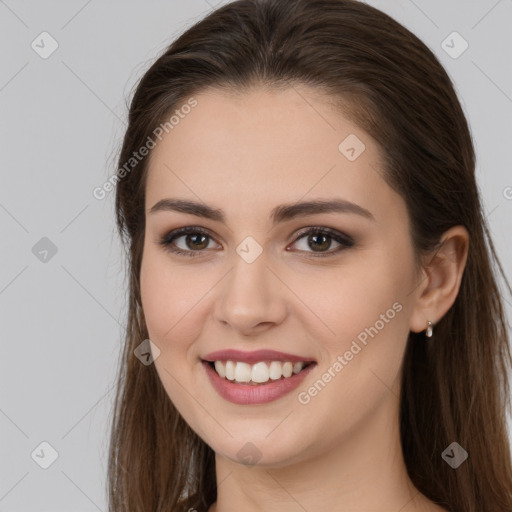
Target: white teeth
[(260, 372), (276, 370), (257, 373), (219, 368), (287, 369), (230, 370), (243, 372)]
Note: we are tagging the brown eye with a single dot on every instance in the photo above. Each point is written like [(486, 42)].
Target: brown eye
[(195, 241), (319, 240)]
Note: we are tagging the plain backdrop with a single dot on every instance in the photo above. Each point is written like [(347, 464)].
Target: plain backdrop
[(62, 291)]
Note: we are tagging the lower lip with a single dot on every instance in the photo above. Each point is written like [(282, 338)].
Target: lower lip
[(248, 394)]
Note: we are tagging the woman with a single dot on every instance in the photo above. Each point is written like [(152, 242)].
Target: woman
[(314, 320)]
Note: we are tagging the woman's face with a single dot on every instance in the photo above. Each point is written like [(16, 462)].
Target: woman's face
[(256, 280)]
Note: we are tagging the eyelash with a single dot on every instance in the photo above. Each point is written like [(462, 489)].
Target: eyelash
[(345, 241)]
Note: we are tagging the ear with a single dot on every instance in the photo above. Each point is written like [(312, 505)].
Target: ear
[(440, 279)]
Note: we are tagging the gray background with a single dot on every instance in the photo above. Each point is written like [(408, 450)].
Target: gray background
[(62, 122)]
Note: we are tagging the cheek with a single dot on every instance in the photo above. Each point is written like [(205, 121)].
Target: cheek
[(365, 305), (168, 300), (365, 291), (362, 360)]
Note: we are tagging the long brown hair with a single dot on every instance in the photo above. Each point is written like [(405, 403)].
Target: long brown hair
[(455, 388)]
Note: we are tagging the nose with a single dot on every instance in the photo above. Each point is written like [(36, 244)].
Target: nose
[(251, 298)]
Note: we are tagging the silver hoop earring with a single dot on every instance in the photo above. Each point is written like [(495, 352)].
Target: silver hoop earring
[(430, 329)]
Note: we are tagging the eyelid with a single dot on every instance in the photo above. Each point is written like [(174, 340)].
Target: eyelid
[(334, 233), (174, 234), (343, 239)]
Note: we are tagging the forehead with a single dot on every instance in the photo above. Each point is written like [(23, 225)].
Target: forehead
[(265, 147)]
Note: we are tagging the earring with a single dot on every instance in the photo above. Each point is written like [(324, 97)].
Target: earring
[(430, 330)]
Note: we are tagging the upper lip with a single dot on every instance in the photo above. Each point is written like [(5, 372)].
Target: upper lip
[(254, 357)]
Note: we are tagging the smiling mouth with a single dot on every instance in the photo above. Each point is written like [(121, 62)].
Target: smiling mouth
[(260, 373)]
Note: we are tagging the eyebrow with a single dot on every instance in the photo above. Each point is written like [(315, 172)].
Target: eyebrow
[(278, 214)]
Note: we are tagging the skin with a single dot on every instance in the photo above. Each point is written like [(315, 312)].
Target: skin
[(247, 154)]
